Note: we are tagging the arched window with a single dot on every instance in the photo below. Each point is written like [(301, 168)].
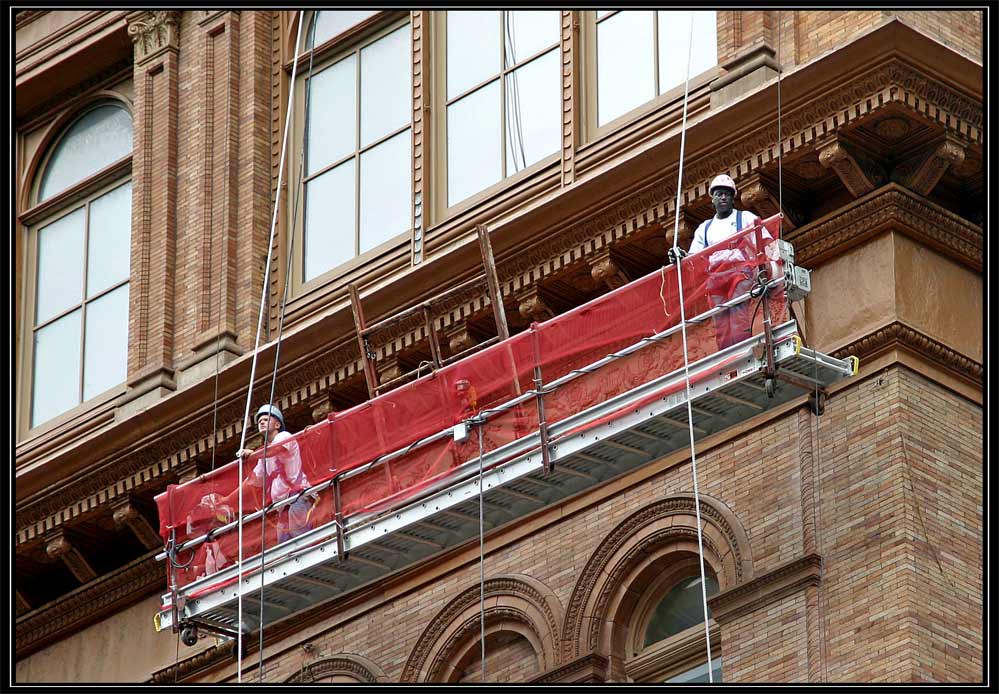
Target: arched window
[(79, 253), (668, 643), (680, 609)]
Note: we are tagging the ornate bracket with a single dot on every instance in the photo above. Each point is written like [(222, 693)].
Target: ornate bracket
[(604, 269), (459, 338), (58, 546), (755, 193), (922, 173), (531, 306), (858, 173), (126, 514)]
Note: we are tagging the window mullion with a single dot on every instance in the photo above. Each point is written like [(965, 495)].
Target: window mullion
[(357, 155), (83, 308), (502, 90), (655, 51)]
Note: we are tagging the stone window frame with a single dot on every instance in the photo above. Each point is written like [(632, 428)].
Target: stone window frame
[(438, 102), (590, 130), (38, 215), (338, 47)]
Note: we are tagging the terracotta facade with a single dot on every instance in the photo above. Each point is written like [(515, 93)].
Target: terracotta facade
[(848, 546)]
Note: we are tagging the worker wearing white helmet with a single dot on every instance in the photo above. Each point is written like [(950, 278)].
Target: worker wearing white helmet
[(283, 473), (724, 283)]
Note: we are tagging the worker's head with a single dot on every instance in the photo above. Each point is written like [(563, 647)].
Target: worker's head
[(269, 419), (722, 191)]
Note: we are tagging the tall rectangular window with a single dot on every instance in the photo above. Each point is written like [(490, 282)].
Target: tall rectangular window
[(642, 54), (358, 155), (503, 95)]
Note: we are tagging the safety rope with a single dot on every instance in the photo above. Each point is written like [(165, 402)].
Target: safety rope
[(482, 564), (284, 302), (686, 356), (256, 346)]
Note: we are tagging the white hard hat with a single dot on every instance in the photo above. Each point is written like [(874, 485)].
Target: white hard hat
[(722, 181), (271, 410)]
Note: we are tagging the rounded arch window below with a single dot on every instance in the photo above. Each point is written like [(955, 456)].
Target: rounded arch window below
[(681, 608)]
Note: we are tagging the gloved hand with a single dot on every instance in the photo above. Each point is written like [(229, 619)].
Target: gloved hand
[(223, 512), (675, 254)]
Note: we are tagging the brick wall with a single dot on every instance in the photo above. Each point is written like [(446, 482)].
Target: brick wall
[(509, 658)]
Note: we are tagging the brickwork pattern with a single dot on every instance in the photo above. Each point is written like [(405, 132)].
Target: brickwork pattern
[(767, 644), (509, 658)]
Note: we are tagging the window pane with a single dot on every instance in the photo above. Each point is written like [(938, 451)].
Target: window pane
[(105, 351), (332, 22), (332, 115), (329, 220), (674, 33), (386, 183), (625, 67), (473, 49), (603, 13), (56, 382), (109, 250), (528, 32), (681, 608), (533, 100), (60, 265), (102, 136), (700, 673), (386, 86), (473, 143)]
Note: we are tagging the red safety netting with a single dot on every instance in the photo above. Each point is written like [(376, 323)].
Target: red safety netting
[(353, 438)]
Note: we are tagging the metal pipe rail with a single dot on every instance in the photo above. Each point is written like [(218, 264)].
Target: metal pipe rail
[(479, 419)]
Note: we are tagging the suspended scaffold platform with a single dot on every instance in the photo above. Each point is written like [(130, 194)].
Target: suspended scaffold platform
[(401, 478)]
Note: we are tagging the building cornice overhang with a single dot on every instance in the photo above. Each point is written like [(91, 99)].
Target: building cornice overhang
[(68, 474)]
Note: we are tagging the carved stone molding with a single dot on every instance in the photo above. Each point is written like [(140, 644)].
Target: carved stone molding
[(889, 207), (598, 569), (154, 32), (892, 82), (58, 546), (756, 193), (442, 634), (588, 668), (604, 270), (531, 306), (898, 333), (208, 658), (357, 667), (72, 612), (459, 339), (766, 589)]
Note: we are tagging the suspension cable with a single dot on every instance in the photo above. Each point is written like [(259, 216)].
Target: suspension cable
[(686, 358), (482, 564), (256, 346), (284, 302)]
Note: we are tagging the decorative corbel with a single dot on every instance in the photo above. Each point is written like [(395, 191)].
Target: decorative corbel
[(922, 173), (126, 514), (322, 408), (388, 368), (858, 173), (755, 193), (531, 306), (58, 546), (22, 603), (459, 338), (604, 269)]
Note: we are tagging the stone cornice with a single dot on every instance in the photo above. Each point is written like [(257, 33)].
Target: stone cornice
[(87, 603), (24, 17), (763, 590), (588, 668), (184, 669), (900, 334), (889, 207)]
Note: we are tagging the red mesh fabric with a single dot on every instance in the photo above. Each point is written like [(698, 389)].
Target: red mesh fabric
[(355, 437)]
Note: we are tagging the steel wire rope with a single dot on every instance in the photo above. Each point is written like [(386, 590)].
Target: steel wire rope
[(284, 301), (686, 359), (482, 564), (256, 349)]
